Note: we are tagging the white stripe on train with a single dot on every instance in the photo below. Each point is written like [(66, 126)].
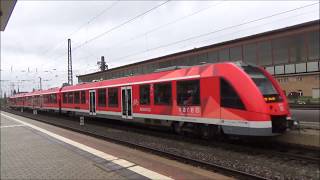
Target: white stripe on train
[(225, 122)]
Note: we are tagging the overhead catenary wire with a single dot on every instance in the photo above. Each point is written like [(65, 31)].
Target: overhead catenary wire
[(211, 32), (257, 26), (160, 27), (164, 44), (120, 25), (114, 28), (166, 24), (81, 27)]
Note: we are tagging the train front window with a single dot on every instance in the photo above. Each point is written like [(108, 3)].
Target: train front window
[(265, 86), (263, 83), (229, 96)]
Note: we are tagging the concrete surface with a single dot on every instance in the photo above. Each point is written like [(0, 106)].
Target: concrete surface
[(166, 167), (305, 137), (28, 154), (308, 115)]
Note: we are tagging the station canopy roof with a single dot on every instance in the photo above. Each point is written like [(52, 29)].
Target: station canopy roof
[(6, 8)]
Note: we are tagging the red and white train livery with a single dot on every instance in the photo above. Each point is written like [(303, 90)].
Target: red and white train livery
[(233, 98)]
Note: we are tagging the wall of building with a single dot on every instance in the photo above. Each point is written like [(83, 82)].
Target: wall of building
[(305, 83), (291, 55), (289, 51)]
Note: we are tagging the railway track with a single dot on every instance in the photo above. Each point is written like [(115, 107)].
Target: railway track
[(207, 165), (287, 153), (197, 162), (292, 152), (298, 157), (309, 125)]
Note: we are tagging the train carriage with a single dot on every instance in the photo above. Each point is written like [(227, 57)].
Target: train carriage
[(233, 98), (37, 100), (17, 100), (49, 99)]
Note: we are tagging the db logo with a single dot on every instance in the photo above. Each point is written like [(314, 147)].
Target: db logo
[(281, 107), (135, 102)]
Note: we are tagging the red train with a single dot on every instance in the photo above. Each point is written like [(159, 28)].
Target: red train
[(229, 98)]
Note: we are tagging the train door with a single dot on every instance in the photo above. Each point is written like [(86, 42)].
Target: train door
[(126, 102), (33, 101), (40, 101), (59, 96), (92, 102)]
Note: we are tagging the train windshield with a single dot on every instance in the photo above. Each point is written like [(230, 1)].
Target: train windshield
[(263, 83)]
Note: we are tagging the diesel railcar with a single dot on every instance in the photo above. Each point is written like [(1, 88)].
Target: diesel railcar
[(230, 98)]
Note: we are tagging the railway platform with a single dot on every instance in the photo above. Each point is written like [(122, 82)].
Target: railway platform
[(308, 133), (35, 150), (304, 136)]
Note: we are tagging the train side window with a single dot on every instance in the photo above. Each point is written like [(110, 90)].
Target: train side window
[(30, 99), (37, 100), (188, 93), (49, 98), (102, 101), (145, 94), (65, 97), (83, 97), (113, 97), (46, 99), (77, 97), (54, 97), (229, 97), (162, 94), (70, 98)]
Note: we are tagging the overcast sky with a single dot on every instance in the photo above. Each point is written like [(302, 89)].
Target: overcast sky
[(34, 43)]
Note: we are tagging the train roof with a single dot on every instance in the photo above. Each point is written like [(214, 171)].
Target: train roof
[(48, 91), (18, 95), (205, 70), (37, 92), (180, 74)]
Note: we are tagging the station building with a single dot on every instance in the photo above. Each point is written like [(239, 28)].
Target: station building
[(291, 54)]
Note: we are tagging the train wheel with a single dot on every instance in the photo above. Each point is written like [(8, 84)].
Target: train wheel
[(207, 131), (177, 127), (204, 131)]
